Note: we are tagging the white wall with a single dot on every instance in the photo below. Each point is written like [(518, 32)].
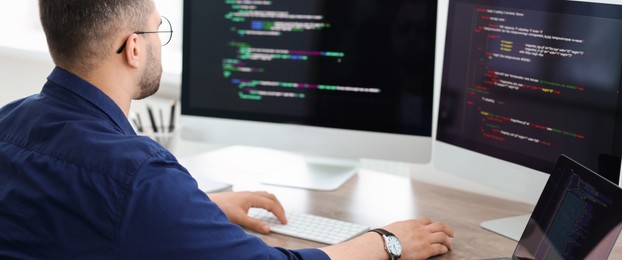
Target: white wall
[(25, 62), (22, 73)]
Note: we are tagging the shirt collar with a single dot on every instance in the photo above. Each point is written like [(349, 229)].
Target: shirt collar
[(93, 95)]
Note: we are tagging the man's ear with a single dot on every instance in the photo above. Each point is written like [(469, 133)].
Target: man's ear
[(133, 51)]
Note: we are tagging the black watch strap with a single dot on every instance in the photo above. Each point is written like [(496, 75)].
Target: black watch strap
[(382, 232)]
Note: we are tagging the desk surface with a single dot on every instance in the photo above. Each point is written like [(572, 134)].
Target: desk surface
[(376, 199)]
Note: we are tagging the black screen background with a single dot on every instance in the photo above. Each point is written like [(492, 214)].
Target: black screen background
[(388, 45), (594, 113)]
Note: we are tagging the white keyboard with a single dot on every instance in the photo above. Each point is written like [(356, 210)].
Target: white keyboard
[(310, 227)]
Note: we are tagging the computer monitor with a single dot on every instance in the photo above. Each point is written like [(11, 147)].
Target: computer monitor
[(332, 79), (524, 82)]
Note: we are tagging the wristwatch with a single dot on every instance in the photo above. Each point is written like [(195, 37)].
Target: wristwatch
[(391, 243)]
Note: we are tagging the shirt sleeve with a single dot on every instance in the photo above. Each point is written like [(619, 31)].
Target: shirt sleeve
[(166, 216)]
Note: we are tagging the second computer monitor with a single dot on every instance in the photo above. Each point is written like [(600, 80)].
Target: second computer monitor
[(524, 82)]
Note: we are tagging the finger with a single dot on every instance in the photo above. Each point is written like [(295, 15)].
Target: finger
[(254, 224), (440, 238), (273, 206), (440, 227), (271, 197), (268, 196), (438, 249), (424, 221)]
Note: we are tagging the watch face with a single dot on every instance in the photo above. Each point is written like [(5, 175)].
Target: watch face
[(394, 246)]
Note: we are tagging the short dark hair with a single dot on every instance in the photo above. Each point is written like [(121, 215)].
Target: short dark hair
[(82, 32)]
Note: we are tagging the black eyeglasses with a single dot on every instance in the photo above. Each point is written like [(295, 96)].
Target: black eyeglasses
[(165, 31)]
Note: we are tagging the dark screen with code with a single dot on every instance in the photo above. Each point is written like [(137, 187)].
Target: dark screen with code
[(526, 81), (351, 64), (577, 216)]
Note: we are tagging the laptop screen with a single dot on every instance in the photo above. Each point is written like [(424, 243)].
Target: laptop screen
[(577, 216)]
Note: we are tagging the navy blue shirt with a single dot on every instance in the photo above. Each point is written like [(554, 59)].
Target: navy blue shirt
[(76, 182)]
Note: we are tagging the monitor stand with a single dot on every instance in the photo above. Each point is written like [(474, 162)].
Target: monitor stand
[(235, 164), (511, 227), (313, 173)]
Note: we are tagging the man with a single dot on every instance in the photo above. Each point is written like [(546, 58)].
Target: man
[(77, 182)]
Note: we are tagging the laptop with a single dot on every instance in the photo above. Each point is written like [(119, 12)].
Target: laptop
[(578, 216)]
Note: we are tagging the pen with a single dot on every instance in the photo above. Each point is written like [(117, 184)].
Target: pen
[(171, 124), (139, 123), (153, 123), (161, 121), (136, 124)]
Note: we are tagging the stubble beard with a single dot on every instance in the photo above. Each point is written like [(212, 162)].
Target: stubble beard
[(150, 79)]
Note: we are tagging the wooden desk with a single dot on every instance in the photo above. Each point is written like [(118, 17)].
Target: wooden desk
[(377, 199)]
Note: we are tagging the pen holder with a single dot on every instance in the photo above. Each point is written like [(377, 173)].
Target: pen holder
[(167, 139), (159, 124)]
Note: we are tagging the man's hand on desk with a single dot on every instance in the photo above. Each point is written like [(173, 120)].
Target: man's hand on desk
[(235, 205), (420, 239)]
